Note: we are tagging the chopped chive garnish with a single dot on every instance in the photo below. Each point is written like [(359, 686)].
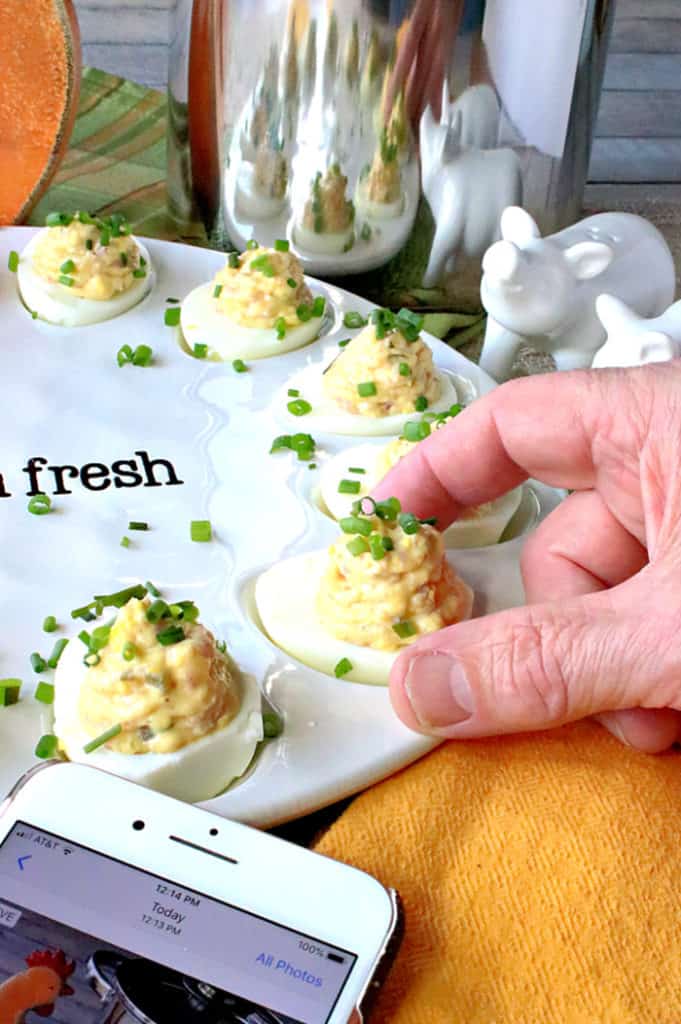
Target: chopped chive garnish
[(91, 659), (217, 291), (313, 465), (104, 237), (124, 259), (170, 635), (280, 327), (49, 624), (46, 747), (139, 272), (405, 629), (318, 306), (66, 281), (57, 652), (421, 403), (272, 725), (115, 600), (142, 356), (13, 261), (388, 509), (9, 692), (34, 315), (233, 260), (303, 312), (172, 317), (38, 663), (221, 646), (129, 651), (58, 220), (299, 407), (44, 692), (430, 521), (366, 389), (416, 431), (124, 355), (376, 546), (239, 366), (171, 299), (409, 522), (349, 487), (387, 543), (200, 530), (99, 741), (353, 524), (303, 445), (365, 233), (251, 244), (353, 319), (89, 244), (200, 351), (157, 610), (293, 393), (344, 342), (356, 469), (154, 591), (291, 282), (281, 245), (125, 542), (84, 637), (357, 546), (405, 370), (143, 262), (342, 668), (135, 524)]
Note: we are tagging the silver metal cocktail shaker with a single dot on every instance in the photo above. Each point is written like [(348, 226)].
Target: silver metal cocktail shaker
[(383, 138)]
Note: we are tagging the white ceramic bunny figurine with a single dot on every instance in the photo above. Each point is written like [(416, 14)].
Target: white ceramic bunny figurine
[(633, 340), (466, 188), (542, 291)]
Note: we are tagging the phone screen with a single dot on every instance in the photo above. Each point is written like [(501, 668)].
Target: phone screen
[(87, 939)]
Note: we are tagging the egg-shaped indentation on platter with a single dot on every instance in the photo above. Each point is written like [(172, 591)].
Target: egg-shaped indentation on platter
[(62, 282), (179, 715)]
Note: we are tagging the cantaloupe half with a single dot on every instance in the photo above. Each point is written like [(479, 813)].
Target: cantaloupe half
[(40, 67)]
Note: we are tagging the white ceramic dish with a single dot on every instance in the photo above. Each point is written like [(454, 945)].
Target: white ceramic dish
[(66, 400)]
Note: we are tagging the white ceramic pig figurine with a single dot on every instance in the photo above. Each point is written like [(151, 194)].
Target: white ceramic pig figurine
[(633, 340), (466, 189), (542, 291)]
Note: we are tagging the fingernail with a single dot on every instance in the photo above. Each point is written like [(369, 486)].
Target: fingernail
[(438, 691)]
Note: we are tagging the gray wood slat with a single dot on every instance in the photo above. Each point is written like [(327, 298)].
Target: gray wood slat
[(636, 35), (648, 9), (140, 27), (639, 115), (607, 195), (643, 71), (634, 160)]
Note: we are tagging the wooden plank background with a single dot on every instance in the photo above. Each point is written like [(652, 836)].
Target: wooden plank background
[(638, 135)]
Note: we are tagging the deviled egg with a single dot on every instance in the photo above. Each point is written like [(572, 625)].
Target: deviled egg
[(354, 473), (327, 224), (381, 585), (258, 305), (379, 193), (82, 269), (382, 376), (261, 185), (152, 697)]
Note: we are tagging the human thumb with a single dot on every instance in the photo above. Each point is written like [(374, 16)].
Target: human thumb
[(531, 668)]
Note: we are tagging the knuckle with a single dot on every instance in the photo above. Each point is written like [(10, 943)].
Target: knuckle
[(533, 673)]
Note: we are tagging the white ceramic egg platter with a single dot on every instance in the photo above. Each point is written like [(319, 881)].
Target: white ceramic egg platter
[(66, 400)]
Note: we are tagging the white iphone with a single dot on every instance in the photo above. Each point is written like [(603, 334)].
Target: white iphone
[(121, 906)]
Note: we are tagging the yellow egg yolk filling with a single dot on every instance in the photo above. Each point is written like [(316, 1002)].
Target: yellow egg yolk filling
[(327, 211), (389, 602), (165, 697), (400, 371), (265, 285), (74, 252), (382, 184)]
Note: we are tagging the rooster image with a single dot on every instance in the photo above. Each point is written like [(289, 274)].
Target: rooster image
[(38, 988)]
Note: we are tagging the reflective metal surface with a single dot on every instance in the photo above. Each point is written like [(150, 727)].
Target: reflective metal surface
[(383, 138)]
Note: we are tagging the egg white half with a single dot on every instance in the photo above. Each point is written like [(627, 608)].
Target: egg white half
[(203, 324), (373, 210), (329, 243), (252, 203), (197, 771), (289, 617), (326, 417), (475, 532), (57, 304)]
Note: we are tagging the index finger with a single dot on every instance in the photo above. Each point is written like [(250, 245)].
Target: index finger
[(540, 426)]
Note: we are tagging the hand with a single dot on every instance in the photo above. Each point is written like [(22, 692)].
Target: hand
[(422, 59), (601, 633)]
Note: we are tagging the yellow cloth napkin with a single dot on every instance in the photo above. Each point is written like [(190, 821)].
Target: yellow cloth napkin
[(541, 880)]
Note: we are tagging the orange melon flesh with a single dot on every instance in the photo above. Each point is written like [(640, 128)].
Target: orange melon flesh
[(40, 68)]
